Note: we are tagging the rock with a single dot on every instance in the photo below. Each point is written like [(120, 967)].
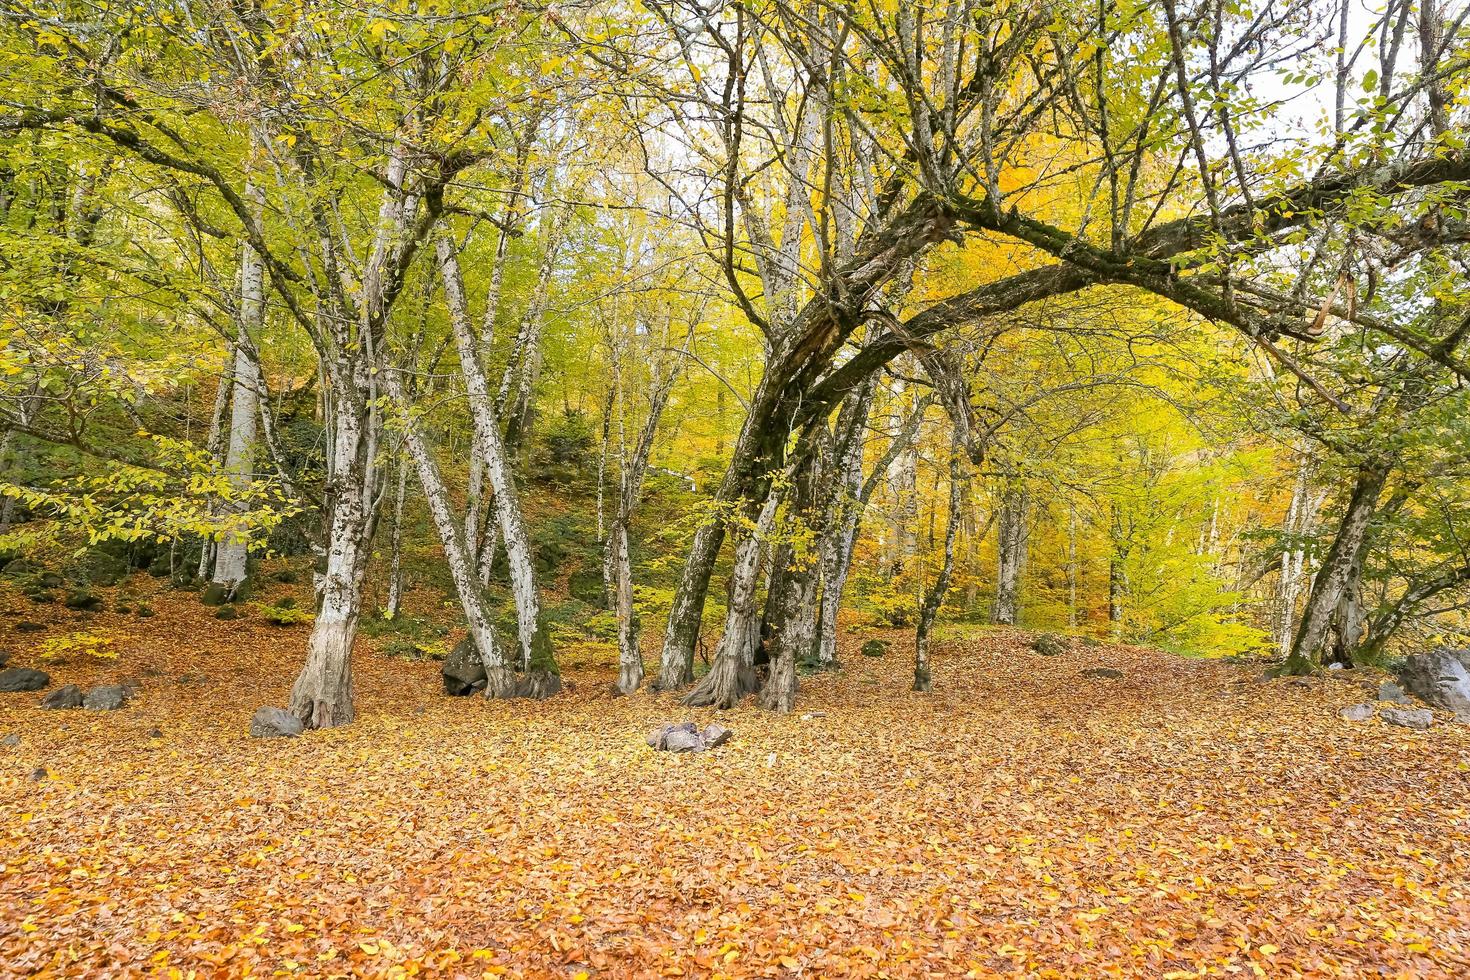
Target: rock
[(131, 685), (463, 671), (682, 741), (38, 774), (49, 580), (10, 741), (1049, 644), (874, 648), (1334, 666), (1417, 718), (23, 679), (26, 626), (144, 612), (154, 733), (1441, 679), (83, 601), (812, 715), (1357, 712), (274, 723), (1112, 673), (227, 612), (686, 737), (69, 696), (109, 697), (1389, 691)]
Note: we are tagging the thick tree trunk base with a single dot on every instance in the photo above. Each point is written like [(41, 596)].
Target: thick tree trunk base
[(674, 676), (727, 682), (779, 694), (322, 694), (630, 677), (923, 682), (538, 685)]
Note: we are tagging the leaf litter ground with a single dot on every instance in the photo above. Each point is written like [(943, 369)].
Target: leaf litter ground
[(1021, 820)]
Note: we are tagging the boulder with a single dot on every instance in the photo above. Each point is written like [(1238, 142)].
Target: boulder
[(275, 723), (11, 741), (1049, 644), (686, 737), (108, 697), (1357, 712), (25, 626), (463, 671), (23, 679), (69, 696), (1441, 679), (1389, 691), (874, 648), (1417, 718), (1111, 673), (83, 601), (679, 740)]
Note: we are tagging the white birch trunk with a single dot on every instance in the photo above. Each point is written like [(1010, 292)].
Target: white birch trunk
[(501, 680), (231, 558), (534, 644)]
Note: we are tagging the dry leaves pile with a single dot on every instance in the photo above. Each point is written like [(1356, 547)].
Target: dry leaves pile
[(1185, 819)]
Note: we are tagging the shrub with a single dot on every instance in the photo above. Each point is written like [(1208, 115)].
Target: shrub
[(283, 614)]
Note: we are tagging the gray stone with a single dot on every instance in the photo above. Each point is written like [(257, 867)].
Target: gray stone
[(1418, 718), (38, 774), (26, 626), (1441, 679), (1357, 712), (109, 697), (274, 723), (463, 671), (11, 741), (686, 737), (4, 657), (23, 679), (1389, 691), (69, 696), (1111, 673), (680, 740)]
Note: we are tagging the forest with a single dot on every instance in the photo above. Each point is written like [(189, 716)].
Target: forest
[(735, 487)]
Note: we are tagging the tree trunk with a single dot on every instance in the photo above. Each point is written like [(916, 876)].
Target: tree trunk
[(535, 643), (630, 657), (1336, 582), (231, 560), (322, 694), (395, 560), (929, 611), (501, 680), (1013, 532), (732, 675)]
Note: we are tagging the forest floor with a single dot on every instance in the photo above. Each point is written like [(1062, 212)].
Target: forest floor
[(1185, 819)]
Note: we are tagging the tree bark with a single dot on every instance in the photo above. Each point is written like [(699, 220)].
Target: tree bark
[(1013, 533), (535, 643), (1336, 580), (732, 675), (929, 610), (395, 559), (501, 681)]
